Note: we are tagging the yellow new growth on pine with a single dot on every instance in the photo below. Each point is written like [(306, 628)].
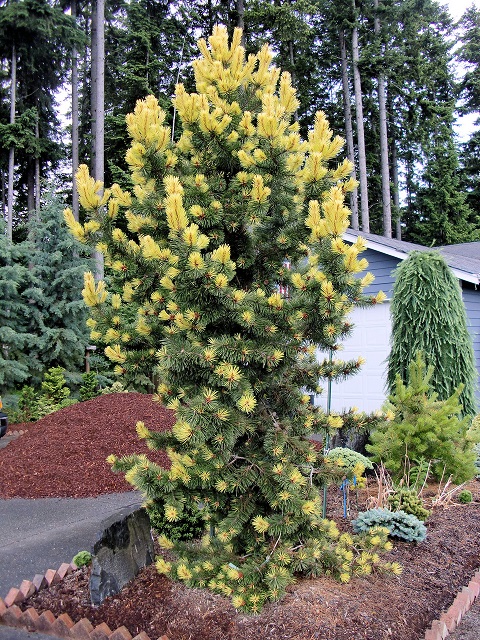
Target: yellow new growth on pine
[(222, 254), (75, 227), (337, 215), (88, 190), (145, 124), (93, 294)]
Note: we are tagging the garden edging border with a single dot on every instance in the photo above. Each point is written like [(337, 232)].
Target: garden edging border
[(63, 626)]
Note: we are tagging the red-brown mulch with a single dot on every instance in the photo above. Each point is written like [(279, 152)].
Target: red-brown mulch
[(64, 454), (68, 450)]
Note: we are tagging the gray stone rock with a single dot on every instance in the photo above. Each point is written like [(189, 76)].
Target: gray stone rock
[(123, 548)]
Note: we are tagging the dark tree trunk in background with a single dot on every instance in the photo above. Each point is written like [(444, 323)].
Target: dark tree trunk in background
[(362, 157), (11, 153), (348, 126), (384, 162)]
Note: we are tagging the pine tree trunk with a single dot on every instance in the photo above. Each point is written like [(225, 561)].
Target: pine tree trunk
[(240, 6), (93, 78), (37, 169), (98, 106), (384, 161), (362, 157), (396, 194), (4, 201), (348, 126), (75, 133), (11, 153), (30, 187)]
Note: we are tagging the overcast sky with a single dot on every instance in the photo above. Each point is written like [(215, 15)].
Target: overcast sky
[(457, 7)]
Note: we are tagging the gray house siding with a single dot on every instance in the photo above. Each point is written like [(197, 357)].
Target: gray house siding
[(382, 266), (471, 299)]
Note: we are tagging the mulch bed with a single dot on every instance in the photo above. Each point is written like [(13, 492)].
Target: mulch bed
[(64, 455)]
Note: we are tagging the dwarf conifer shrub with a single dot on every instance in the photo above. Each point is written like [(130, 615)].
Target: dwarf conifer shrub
[(89, 388), (399, 524), (424, 428), (428, 315), (54, 393), (354, 462), (408, 501), (465, 496), (228, 268)]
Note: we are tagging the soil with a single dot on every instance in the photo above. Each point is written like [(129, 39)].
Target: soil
[(64, 455)]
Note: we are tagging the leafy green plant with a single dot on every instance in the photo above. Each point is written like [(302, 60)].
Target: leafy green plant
[(190, 526), (399, 524), (82, 559), (89, 388), (465, 496), (408, 501), (424, 428)]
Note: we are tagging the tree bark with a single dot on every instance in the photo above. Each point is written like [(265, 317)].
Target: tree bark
[(384, 161), (348, 126), (93, 78), (98, 106), (75, 124), (11, 153), (240, 6), (396, 194), (362, 157), (37, 167)]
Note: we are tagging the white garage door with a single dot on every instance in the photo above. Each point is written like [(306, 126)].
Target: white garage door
[(371, 340)]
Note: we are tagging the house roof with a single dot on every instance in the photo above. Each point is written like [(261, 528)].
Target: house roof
[(463, 259)]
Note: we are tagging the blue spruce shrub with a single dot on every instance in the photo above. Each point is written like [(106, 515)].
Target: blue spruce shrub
[(400, 524)]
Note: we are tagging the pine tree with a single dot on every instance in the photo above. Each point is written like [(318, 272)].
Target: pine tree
[(428, 315), (42, 36), (201, 252), (58, 315), (16, 362), (424, 429)]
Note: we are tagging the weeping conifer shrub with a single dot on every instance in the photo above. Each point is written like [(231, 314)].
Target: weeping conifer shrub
[(227, 269), (428, 315)]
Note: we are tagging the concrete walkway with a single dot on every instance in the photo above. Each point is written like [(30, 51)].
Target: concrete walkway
[(36, 535)]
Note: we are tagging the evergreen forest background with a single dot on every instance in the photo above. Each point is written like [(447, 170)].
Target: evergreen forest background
[(392, 76)]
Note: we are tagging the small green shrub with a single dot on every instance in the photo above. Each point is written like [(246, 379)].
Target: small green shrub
[(82, 559), (28, 404), (408, 501), (55, 394), (352, 460), (89, 388), (400, 524), (116, 387), (189, 526), (465, 496), (425, 428)]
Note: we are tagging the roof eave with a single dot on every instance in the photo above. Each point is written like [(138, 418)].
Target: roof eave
[(466, 276)]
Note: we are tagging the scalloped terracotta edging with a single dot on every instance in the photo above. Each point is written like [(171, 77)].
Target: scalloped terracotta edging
[(449, 620), (62, 626)]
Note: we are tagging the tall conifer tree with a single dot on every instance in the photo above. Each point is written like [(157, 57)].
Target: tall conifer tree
[(16, 341), (57, 316), (221, 225), (428, 315)]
